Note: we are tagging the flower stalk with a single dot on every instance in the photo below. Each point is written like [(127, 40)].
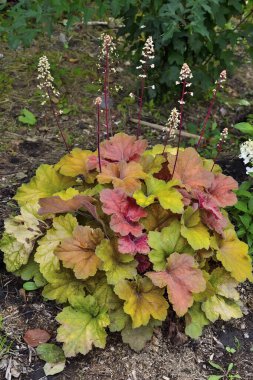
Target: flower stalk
[(185, 75), (46, 85), (223, 138), (219, 85), (147, 56), (98, 102)]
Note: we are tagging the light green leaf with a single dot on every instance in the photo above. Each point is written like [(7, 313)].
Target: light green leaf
[(193, 230), (245, 128), (45, 183), (27, 117), (53, 368), (16, 254), (63, 227), (195, 321), (82, 328), (164, 243), (168, 197), (117, 266), (219, 307), (64, 287)]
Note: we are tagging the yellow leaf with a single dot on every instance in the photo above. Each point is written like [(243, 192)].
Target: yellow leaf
[(143, 300)]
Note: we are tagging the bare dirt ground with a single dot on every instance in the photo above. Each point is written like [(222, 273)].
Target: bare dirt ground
[(170, 355)]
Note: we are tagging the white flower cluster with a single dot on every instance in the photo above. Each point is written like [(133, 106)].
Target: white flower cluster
[(46, 80), (219, 83), (185, 73), (173, 122), (108, 46), (98, 101), (246, 154), (224, 134), (147, 55)]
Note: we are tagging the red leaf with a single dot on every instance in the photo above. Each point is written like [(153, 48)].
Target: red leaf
[(36, 336), (222, 190), (143, 263)]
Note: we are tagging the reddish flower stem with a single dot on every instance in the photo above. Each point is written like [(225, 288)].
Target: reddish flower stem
[(166, 138), (106, 89), (98, 137), (54, 112), (208, 114), (180, 124), (141, 104), (219, 149)]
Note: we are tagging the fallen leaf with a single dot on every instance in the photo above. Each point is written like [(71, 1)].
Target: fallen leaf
[(35, 337)]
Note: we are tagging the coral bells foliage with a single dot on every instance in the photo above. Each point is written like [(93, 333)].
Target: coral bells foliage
[(122, 246)]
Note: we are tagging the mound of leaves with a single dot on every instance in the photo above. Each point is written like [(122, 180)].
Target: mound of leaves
[(120, 247)]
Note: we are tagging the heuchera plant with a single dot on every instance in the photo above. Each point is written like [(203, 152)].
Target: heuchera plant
[(122, 235)]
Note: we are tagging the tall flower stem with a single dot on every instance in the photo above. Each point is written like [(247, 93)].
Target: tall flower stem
[(98, 137), (106, 89), (180, 124), (223, 137), (55, 114), (140, 106), (219, 149), (208, 114)]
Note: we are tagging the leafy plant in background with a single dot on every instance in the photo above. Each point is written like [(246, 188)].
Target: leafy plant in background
[(121, 235), (242, 214), (27, 117), (202, 33), (225, 372)]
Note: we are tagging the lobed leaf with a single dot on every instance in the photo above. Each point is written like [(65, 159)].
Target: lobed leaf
[(182, 278), (142, 301)]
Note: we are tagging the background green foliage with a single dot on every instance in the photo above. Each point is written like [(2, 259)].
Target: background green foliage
[(202, 33), (242, 214)]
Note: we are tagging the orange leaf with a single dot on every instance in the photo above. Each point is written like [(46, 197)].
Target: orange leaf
[(182, 278), (190, 170), (36, 336), (123, 175), (78, 252)]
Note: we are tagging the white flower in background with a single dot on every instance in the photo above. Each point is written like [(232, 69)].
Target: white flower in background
[(184, 79), (219, 83), (147, 55), (246, 154), (108, 46), (224, 134), (98, 101), (185, 73), (173, 122), (46, 80)]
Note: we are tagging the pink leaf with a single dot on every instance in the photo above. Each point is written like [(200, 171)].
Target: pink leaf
[(132, 245), (122, 147), (222, 190), (190, 170), (182, 278), (124, 210), (207, 202), (215, 224)]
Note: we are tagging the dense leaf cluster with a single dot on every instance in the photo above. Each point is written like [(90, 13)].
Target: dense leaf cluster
[(120, 247)]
